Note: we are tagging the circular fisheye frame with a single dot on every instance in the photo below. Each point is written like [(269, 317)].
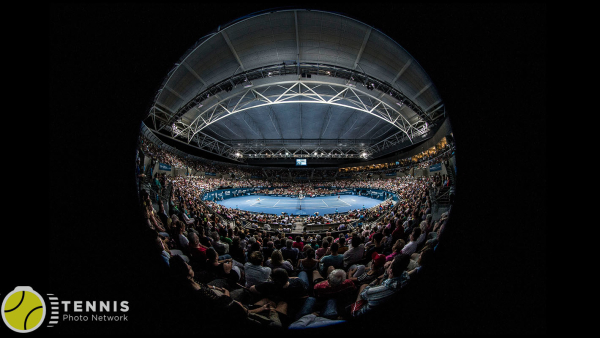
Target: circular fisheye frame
[(297, 178)]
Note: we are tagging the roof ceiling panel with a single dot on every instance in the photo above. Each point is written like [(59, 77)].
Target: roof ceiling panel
[(382, 57), (319, 37), (169, 100), (187, 86), (214, 60), (312, 119)]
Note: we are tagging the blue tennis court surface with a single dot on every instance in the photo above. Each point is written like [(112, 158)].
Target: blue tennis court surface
[(306, 206)]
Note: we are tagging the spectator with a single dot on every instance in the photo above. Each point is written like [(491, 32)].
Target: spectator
[(255, 246), (289, 252), (356, 251), (332, 260), (424, 261), (361, 274), (197, 252), (198, 300), (220, 247), (394, 279), (322, 250), (276, 262), (335, 286), (298, 244), (396, 250), (375, 246), (255, 272), (342, 243), (277, 244), (268, 249), (228, 237), (182, 241), (309, 263), (222, 269), (188, 221), (236, 251), (282, 287), (411, 247)]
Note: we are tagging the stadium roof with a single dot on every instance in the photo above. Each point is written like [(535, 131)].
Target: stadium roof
[(300, 83)]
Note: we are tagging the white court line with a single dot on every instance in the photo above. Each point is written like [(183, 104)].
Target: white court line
[(276, 203), (325, 203), (346, 202)]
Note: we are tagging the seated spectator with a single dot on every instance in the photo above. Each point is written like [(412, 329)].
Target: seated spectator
[(298, 244), (342, 243), (276, 262), (282, 287), (162, 215), (361, 274), (222, 269), (220, 247), (197, 252), (181, 239), (421, 239), (332, 260), (164, 255), (249, 243), (313, 243), (375, 293), (309, 263), (424, 260), (336, 285), (255, 246), (289, 252), (227, 237), (322, 250), (355, 252), (200, 300), (396, 250), (398, 232), (188, 221), (268, 249), (236, 251), (375, 246), (301, 254), (411, 247), (408, 228), (254, 270), (387, 241), (277, 244)]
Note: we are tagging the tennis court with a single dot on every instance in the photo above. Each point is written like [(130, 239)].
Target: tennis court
[(307, 206)]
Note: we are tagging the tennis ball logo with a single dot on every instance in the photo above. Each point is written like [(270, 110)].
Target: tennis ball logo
[(23, 309)]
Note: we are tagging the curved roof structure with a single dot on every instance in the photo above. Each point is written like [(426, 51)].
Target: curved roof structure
[(296, 83)]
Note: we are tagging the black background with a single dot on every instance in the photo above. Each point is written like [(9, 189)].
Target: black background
[(488, 62)]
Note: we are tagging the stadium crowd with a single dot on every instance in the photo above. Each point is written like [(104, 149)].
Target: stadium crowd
[(222, 264)]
